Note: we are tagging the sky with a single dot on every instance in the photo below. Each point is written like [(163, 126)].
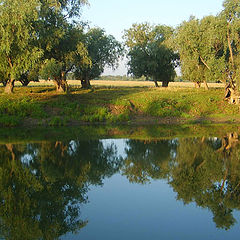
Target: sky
[(117, 15)]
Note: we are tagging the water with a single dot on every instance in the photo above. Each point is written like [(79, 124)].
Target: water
[(178, 187)]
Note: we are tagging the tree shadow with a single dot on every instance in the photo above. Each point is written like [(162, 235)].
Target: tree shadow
[(94, 96)]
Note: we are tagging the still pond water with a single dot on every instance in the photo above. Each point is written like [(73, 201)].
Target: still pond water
[(72, 188)]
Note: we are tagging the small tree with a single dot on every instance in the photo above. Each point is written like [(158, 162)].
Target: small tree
[(149, 54), (103, 50)]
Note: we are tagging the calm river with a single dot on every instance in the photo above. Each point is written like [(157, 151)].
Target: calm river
[(144, 184)]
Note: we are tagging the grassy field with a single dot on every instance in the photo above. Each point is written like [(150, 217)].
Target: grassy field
[(116, 103)]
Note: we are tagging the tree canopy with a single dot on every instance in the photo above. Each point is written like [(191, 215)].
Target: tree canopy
[(209, 47), (149, 54), (37, 32), (18, 53), (103, 51)]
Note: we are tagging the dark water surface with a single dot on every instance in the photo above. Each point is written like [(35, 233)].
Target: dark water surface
[(124, 186)]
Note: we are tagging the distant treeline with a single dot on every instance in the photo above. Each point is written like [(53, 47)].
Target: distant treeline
[(131, 78)]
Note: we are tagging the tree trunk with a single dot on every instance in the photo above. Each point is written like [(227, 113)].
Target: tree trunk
[(231, 53), (61, 85), (206, 85), (24, 79), (197, 84), (165, 84), (231, 95), (85, 83), (229, 44), (24, 82), (9, 87), (156, 83)]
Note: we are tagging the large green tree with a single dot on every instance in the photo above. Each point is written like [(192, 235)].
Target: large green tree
[(200, 44), (18, 53), (61, 39), (67, 55), (209, 48), (149, 52), (231, 20), (39, 31), (103, 50)]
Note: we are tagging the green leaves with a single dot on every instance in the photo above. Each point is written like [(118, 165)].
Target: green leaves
[(32, 31), (138, 34), (51, 69), (200, 44), (231, 10), (103, 50), (17, 51), (209, 48), (148, 53)]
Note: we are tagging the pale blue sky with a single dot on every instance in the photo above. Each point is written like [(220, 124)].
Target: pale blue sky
[(116, 15)]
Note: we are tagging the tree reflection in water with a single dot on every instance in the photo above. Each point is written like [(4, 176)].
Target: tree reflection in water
[(43, 185), (201, 170), (148, 159)]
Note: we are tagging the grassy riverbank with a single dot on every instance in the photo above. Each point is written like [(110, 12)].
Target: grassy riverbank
[(133, 105)]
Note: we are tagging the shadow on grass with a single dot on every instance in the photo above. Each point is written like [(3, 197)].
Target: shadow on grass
[(45, 90), (98, 97)]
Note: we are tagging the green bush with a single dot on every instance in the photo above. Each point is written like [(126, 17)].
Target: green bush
[(9, 121)]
